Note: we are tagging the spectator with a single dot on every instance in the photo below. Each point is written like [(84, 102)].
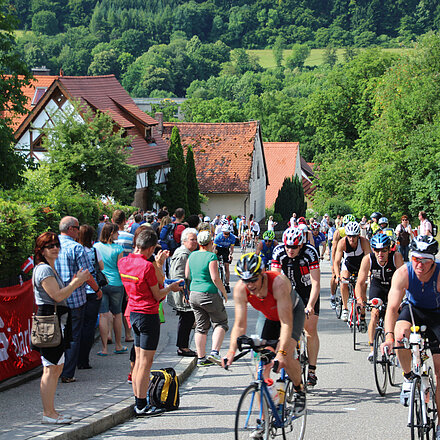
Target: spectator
[(49, 290), (177, 300), (271, 224), (338, 221), (102, 219), (71, 258), (125, 239), (86, 234), (208, 307), (156, 224), (364, 226), (144, 298), (425, 227), (136, 224), (404, 236), (293, 221), (180, 215), (113, 293), (193, 221), (331, 231)]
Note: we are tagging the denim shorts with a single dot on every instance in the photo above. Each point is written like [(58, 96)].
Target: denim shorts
[(112, 297)]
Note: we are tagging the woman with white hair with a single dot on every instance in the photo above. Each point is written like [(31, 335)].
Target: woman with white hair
[(207, 304)]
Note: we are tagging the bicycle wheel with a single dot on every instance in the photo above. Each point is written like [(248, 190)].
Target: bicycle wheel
[(302, 357), (354, 322), (338, 302), (380, 363), (252, 417), (416, 417), (221, 272), (294, 426), (392, 364), (431, 407)]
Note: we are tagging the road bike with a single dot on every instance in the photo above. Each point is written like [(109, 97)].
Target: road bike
[(338, 302), (302, 356), (422, 415), (259, 413), (221, 270), (354, 317), (384, 364)]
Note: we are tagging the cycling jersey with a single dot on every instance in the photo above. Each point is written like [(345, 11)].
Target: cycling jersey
[(380, 279), (374, 227), (423, 295), (297, 269), (320, 238), (352, 258), (225, 242), (341, 232), (266, 252)]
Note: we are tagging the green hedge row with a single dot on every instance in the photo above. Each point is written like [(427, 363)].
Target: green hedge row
[(25, 214)]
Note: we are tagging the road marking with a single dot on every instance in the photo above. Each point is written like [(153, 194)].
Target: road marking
[(350, 409)]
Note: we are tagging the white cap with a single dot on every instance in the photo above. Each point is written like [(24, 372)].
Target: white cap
[(206, 219)]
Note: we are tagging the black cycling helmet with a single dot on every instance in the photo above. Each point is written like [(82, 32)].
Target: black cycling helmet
[(424, 244), (249, 266), (376, 215)]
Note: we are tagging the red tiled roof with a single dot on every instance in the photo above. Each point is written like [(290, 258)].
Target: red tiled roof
[(222, 153), (281, 163), (29, 91)]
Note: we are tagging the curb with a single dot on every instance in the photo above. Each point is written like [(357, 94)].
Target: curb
[(22, 378), (105, 419)]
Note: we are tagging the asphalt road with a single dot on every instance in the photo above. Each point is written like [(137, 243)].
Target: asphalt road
[(344, 405)]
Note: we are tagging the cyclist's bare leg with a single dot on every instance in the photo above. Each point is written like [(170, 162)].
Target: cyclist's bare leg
[(344, 289), (226, 272), (372, 325), (333, 283), (292, 366), (311, 330), (402, 329)]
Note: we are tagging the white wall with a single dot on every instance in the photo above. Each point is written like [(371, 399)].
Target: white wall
[(257, 184), (228, 204)]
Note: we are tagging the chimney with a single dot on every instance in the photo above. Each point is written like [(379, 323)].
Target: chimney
[(43, 70), (159, 118)]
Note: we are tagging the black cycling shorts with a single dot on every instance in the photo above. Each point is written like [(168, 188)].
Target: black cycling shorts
[(428, 317), (223, 254), (377, 291), (305, 299), (146, 329)]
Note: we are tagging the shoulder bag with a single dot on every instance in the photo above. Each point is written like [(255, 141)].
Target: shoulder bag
[(100, 277)]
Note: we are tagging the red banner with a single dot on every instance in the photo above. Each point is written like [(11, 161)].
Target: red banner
[(16, 306)]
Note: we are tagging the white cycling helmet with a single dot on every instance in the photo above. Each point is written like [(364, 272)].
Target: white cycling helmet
[(352, 228), (293, 237), (226, 228)]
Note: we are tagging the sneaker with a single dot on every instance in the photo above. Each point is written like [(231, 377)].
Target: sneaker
[(333, 303), (311, 379), (227, 288), (150, 411), (258, 432), (405, 393), (214, 358), (129, 380), (204, 362), (370, 357), (300, 403), (363, 326), (344, 315)]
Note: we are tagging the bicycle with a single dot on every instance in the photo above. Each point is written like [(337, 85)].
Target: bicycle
[(384, 364), (221, 270), (338, 302), (422, 413), (257, 412), (302, 356), (354, 317)]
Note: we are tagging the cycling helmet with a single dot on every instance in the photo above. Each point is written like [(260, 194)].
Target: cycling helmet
[(293, 237), (376, 215), (226, 228), (352, 228), (224, 221), (424, 244), (383, 220), (314, 226), (380, 241), (302, 221), (249, 266), (348, 218), (269, 235)]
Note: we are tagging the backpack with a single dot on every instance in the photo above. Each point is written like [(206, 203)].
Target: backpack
[(166, 237), (163, 390)]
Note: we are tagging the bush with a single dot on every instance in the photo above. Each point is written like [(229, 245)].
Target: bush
[(335, 206)]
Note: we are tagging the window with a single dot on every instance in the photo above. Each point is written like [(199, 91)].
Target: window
[(148, 133), (39, 92), (258, 170)]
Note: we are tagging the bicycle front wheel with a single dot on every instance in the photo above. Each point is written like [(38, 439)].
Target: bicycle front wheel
[(252, 418), (431, 408), (380, 363), (294, 425), (392, 364), (354, 322), (338, 302), (416, 417)]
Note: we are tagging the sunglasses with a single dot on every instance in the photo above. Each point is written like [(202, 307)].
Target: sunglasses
[(384, 250), (267, 241), (421, 260), (226, 233), (52, 245), (252, 280), (76, 227), (293, 246)]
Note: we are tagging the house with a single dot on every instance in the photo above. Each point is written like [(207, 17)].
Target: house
[(230, 165), (53, 94), (284, 160)]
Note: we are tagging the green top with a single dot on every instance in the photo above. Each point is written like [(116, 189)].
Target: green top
[(201, 280)]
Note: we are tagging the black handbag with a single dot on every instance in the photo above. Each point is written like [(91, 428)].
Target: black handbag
[(100, 277)]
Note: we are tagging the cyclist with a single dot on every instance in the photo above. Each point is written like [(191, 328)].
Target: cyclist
[(299, 261), (383, 224), (347, 261), (381, 264), (302, 224), (271, 293), (265, 248), (224, 245), (420, 280), (243, 229), (318, 238), (337, 235), (375, 219), (255, 233)]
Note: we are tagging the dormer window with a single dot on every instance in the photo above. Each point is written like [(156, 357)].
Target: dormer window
[(148, 133), (39, 92)]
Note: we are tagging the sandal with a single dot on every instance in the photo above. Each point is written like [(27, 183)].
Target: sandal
[(122, 350), (68, 379), (187, 353)]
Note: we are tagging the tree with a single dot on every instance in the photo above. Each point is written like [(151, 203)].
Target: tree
[(290, 198), (278, 49), (177, 193), (300, 52), (12, 99), (192, 183), (90, 153), (45, 22)]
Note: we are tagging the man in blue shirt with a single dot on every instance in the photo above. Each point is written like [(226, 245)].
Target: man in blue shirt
[(318, 238), (224, 244), (125, 239), (71, 258)]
